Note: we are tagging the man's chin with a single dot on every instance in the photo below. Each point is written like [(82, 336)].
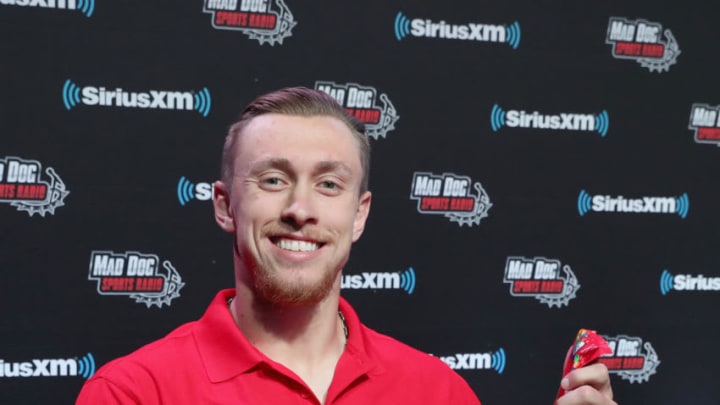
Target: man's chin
[(293, 294)]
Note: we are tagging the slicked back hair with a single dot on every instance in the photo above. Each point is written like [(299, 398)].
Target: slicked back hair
[(295, 101)]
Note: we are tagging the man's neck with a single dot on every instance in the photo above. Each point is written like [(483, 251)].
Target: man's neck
[(308, 340)]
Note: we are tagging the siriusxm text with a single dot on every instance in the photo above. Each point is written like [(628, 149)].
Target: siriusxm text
[(39, 368), (471, 32), (154, 99), (371, 281)]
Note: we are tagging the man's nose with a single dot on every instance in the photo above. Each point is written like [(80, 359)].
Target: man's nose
[(300, 207)]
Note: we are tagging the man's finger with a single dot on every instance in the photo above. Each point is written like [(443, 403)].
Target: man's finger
[(584, 395), (595, 375)]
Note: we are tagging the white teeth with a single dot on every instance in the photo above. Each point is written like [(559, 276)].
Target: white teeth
[(296, 245)]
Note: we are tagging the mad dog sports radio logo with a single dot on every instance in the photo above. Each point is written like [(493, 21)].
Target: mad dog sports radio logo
[(187, 191), (84, 6), (644, 205), (450, 195), (267, 21), (687, 282), (563, 121), (496, 361), (74, 95), (426, 28), (642, 41), (22, 187), (705, 122), (72, 367), (136, 275), (631, 359), (362, 103), (404, 280), (547, 280)]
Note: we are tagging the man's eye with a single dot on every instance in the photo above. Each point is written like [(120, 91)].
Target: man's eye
[(272, 182), (329, 185)]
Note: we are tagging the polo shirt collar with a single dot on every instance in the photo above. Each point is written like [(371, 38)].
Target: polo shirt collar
[(226, 352)]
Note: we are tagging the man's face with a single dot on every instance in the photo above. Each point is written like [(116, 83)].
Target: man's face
[(295, 205)]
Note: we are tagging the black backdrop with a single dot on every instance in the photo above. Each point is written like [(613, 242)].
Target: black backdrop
[(136, 179)]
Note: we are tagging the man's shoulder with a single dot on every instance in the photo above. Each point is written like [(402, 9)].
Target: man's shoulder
[(394, 353), (389, 352), (155, 356), (414, 369)]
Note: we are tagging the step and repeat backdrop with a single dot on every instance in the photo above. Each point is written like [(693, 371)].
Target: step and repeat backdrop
[(538, 167)]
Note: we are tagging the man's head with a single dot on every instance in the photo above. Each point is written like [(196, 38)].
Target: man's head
[(293, 194), (298, 101)]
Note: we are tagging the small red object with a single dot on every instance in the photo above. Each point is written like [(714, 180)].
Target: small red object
[(588, 347)]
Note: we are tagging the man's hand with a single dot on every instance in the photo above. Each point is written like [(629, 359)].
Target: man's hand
[(588, 385)]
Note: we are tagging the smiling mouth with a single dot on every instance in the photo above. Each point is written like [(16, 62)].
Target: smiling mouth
[(294, 245)]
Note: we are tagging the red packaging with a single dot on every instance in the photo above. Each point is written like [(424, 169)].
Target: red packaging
[(588, 347)]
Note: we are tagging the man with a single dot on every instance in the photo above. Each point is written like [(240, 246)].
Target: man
[(294, 195)]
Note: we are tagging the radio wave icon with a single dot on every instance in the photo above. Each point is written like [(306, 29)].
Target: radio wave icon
[(70, 94), (498, 361), (497, 117), (86, 7), (86, 366), (682, 205), (584, 203), (185, 191), (666, 282), (602, 123), (203, 102), (402, 26), (407, 280), (513, 34)]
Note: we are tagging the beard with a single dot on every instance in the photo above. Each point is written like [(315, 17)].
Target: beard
[(285, 286), (274, 288)]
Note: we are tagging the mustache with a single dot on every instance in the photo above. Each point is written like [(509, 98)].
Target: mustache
[(305, 231)]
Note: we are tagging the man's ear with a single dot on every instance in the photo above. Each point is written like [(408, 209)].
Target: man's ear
[(221, 204), (361, 215)]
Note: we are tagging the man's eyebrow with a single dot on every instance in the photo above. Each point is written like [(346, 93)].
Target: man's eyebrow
[(333, 166), (284, 165), (271, 163)]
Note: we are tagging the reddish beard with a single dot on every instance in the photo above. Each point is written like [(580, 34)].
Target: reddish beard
[(280, 287), (271, 287)]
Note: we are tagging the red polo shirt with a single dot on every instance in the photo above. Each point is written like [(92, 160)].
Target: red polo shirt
[(210, 361)]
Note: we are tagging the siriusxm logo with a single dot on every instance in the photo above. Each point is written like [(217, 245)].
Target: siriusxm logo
[(652, 205), (187, 191), (85, 6), (379, 281), (563, 121), (83, 367), (477, 361), (687, 282), (153, 99), (416, 27)]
